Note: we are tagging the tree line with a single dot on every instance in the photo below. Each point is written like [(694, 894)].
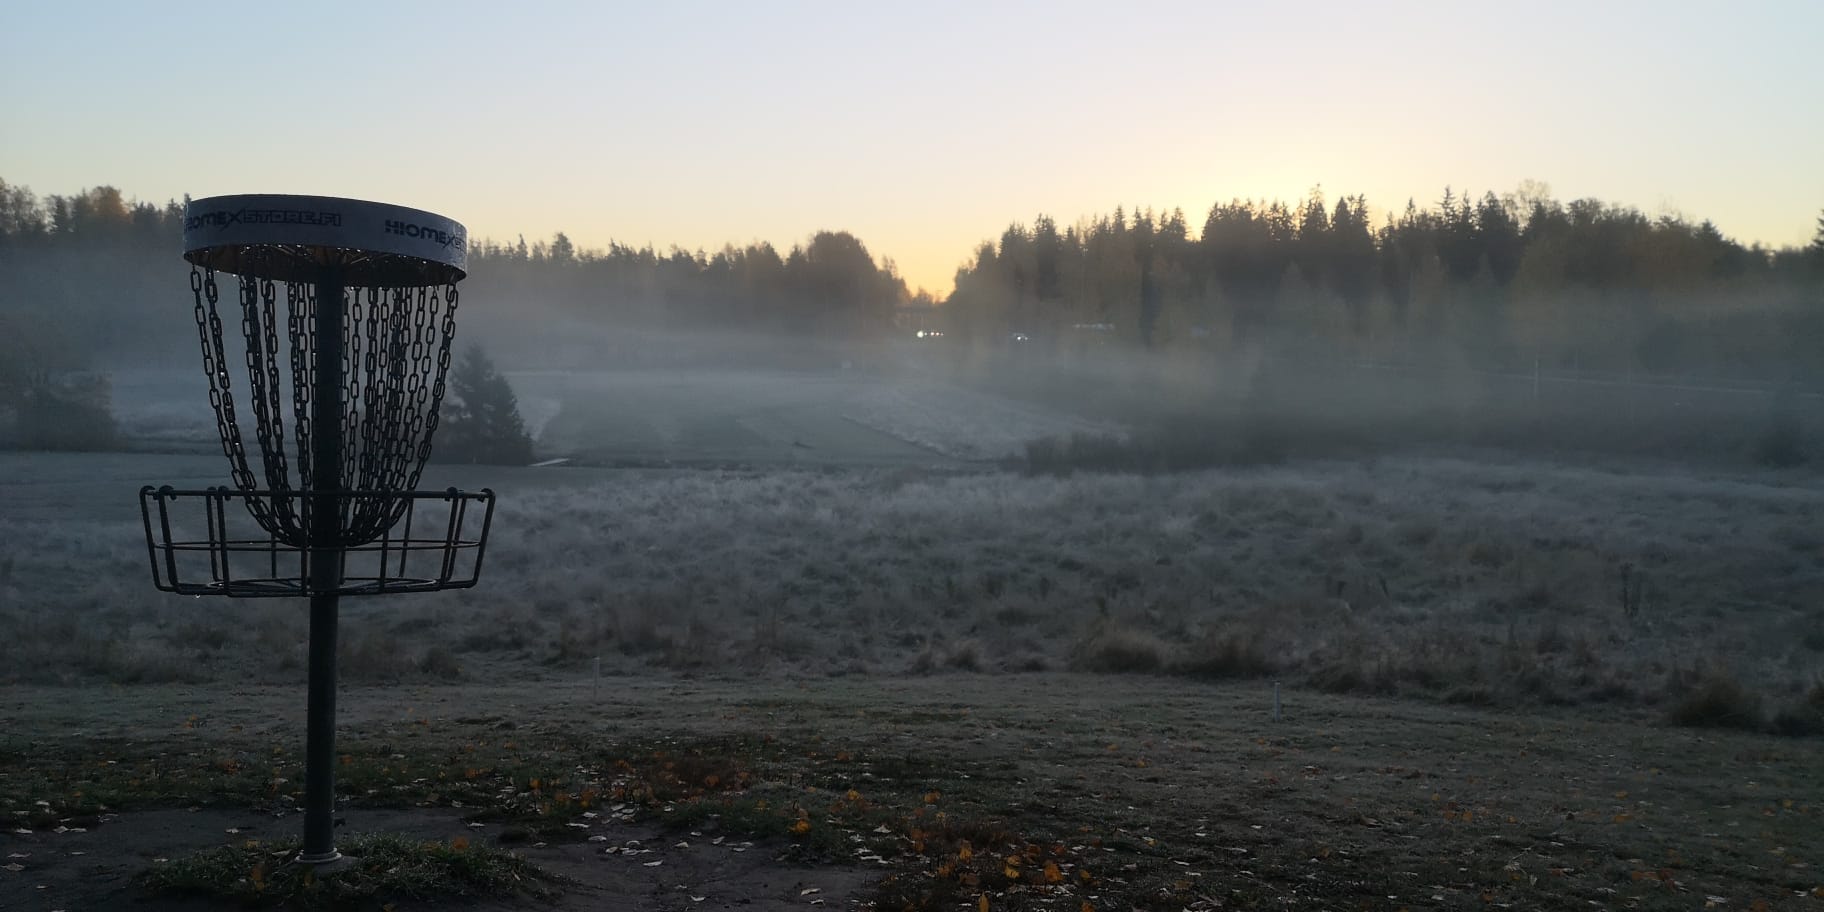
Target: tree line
[(94, 277), (1514, 279), (1502, 280), (828, 286)]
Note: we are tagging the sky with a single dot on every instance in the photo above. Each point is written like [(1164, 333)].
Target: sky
[(923, 128)]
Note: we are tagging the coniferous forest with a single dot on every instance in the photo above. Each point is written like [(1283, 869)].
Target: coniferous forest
[(1517, 280)]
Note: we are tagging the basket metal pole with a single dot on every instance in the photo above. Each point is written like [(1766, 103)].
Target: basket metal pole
[(323, 532)]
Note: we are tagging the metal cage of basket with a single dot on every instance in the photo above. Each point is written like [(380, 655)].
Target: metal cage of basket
[(202, 542), (343, 314)]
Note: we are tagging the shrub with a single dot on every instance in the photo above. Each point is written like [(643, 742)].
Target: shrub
[(1118, 650), (439, 662), (1805, 717), (1718, 700), (68, 414), (1226, 655)]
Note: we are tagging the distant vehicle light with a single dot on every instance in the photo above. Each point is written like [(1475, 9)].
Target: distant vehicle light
[(1022, 337), (930, 334)]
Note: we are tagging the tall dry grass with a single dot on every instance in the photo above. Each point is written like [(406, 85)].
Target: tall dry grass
[(1477, 582)]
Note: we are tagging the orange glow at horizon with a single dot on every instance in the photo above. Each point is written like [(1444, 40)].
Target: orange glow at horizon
[(662, 126)]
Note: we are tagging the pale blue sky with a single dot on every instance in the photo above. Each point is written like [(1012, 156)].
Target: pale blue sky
[(924, 128)]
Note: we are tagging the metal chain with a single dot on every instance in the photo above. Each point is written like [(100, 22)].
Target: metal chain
[(437, 389), (396, 359), (302, 328), (351, 386), (259, 326), (207, 297)]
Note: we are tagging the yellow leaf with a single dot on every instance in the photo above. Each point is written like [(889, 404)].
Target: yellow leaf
[(1010, 872), (802, 826), (711, 780), (1086, 907), (981, 904), (854, 795), (1052, 874), (965, 853), (459, 843), (1083, 875)]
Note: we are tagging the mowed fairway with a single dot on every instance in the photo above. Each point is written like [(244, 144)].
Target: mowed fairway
[(691, 417), (771, 418)]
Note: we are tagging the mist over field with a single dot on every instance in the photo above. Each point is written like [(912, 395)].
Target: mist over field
[(1516, 338), (1500, 471)]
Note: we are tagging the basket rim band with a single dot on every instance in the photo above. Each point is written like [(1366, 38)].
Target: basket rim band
[(297, 238)]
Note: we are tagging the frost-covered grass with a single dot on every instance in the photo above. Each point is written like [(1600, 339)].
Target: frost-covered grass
[(1457, 580)]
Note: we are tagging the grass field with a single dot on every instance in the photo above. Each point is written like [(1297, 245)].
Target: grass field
[(1471, 582), (1037, 791), (1508, 681)]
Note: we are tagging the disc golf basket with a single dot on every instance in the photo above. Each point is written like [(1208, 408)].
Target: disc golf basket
[(343, 313)]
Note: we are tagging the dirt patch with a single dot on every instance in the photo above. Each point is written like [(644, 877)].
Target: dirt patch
[(633, 867)]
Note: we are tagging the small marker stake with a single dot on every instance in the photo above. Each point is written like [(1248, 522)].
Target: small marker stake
[(596, 690), (1276, 715)]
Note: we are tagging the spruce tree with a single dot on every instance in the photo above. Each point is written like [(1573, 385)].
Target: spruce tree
[(481, 422)]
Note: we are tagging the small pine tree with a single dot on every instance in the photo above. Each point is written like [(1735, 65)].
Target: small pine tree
[(1816, 249), (481, 422), (67, 413)]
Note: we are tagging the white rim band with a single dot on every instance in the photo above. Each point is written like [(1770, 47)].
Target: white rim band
[(379, 244)]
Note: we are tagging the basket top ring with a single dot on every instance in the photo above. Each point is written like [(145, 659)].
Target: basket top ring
[(289, 238)]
